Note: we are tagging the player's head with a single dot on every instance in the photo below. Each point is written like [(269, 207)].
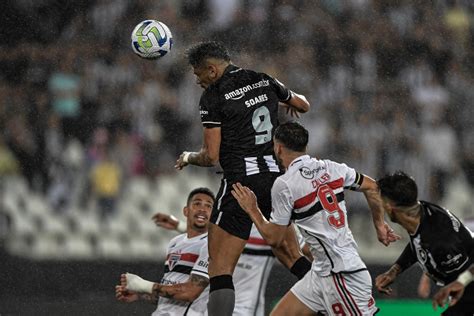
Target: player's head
[(290, 137), (209, 60), (198, 208), (399, 193)]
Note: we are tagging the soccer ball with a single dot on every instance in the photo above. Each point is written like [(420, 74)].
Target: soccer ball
[(151, 39)]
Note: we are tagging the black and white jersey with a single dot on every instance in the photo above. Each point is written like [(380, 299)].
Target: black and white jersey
[(244, 104), (442, 245)]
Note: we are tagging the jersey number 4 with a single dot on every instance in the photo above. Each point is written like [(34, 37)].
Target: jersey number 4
[(329, 202), (262, 124)]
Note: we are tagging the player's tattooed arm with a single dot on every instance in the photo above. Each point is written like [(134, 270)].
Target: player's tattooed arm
[(208, 156), (151, 298), (187, 291), (369, 188)]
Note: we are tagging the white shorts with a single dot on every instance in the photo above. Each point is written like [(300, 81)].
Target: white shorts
[(337, 294), (250, 281)]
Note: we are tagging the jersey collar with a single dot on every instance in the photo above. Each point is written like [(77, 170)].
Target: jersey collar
[(296, 162)]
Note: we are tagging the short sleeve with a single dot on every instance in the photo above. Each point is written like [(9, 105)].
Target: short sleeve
[(209, 110), (351, 178), (282, 203), (282, 92), (202, 263)]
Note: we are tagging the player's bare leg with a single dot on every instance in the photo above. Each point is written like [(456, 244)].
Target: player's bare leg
[(290, 255), (224, 252), (290, 305)]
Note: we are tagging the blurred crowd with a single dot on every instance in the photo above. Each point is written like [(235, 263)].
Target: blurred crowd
[(390, 83)]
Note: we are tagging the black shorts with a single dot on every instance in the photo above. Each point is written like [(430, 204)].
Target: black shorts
[(465, 306), (227, 213)]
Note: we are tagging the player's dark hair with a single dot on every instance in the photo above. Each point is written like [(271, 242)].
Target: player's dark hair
[(201, 190), (399, 187), (293, 135), (198, 53)]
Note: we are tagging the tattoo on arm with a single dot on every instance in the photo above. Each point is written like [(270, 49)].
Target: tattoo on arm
[(200, 159), (182, 291), (199, 281), (152, 298)]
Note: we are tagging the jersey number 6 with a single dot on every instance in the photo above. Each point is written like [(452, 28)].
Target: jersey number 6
[(329, 202)]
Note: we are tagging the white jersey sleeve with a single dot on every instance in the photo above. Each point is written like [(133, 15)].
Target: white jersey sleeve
[(282, 203), (202, 263), (349, 174)]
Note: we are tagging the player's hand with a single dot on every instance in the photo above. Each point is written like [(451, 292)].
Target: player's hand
[(166, 221), (383, 281), (180, 164), (386, 235), (292, 111), (455, 290), (246, 198), (124, 295)]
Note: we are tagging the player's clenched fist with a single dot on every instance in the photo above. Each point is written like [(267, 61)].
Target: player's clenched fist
[(166, 221), (453, 290), (182, 160)]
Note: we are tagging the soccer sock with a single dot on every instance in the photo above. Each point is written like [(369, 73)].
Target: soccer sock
[(221, 296), (301, 267)]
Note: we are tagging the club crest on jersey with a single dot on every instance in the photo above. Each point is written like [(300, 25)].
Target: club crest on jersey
[(173, 260)]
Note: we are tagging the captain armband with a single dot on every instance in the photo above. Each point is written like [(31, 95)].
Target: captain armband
[(359, 178)]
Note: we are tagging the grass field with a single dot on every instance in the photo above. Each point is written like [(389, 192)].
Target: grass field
[(406, 308)]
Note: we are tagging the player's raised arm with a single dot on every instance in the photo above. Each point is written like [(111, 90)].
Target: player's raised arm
[(297, 103), (208, 156)]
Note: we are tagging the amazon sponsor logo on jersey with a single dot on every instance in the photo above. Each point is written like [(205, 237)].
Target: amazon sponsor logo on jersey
[(239, 93), (261, 98)]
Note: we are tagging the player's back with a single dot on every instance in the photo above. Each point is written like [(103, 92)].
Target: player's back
[(319, 210), (184, 256), (244, 104)]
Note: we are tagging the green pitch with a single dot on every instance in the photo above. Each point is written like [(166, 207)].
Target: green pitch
[(406, 308)]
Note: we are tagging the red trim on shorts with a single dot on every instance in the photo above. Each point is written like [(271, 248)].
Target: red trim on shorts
[(256, 241), (308, 199), (349, 293), (189, 257), (342, 296)]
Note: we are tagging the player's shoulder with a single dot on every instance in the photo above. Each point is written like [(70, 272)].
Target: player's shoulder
[(176, 240), (438, 216)]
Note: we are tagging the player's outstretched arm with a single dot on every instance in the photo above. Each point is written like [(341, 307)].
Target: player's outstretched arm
[(455, 289), (187, 291), (385, 233), (208, 156), (123, 294), (273, 234), (168, 221)]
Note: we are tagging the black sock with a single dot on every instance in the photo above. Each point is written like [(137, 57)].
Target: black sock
[(301, 267), (221, 296)]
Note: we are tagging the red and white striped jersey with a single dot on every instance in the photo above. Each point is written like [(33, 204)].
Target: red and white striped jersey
[(185, 256), (311, 194)]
